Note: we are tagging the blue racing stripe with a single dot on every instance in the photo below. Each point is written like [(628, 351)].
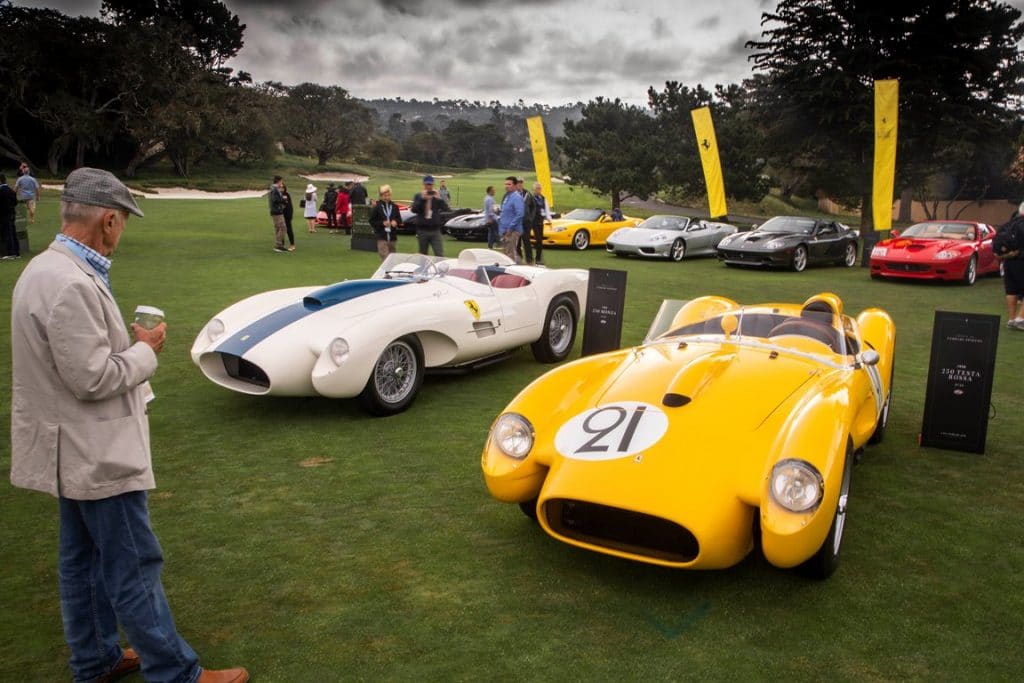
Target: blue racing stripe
[(254, 333)]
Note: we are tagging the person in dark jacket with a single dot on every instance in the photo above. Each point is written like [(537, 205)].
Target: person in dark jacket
[(429, 207), (530, 213), (1013, 273), (329, 205), (386, 221), (357, 194), (289, 211), (276, 201), (8, 231)]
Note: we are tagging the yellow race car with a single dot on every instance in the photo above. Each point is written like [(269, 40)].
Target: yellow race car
[(581, 228), (734, 427)]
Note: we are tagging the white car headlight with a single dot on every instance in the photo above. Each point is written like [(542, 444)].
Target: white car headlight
[(214, 329), (774, 244), (338, 349), (513, 435), (879, 251), (660, 237), (946, 255), (796, 485)]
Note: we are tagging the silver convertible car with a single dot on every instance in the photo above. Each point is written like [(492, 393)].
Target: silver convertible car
[(673, 237)]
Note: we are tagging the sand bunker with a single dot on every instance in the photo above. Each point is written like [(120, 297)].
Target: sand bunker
[(182, 193), (336, 177)]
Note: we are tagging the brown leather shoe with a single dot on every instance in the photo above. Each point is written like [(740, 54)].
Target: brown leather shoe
[(128, 664), (224, 676)]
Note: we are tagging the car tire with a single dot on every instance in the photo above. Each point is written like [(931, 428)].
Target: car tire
[(678, 250), (971, 272), (580, 240), (799, 262), (395, 379), (850, 255), (529, 508), (883, 419), (824, 562), (558, 333)]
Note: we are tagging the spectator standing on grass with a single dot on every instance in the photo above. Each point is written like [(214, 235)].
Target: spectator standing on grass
[(79, 432), (8, 230), (357, 195), (342, 209), (529, 215), (490, 217), (510, 223), (1013, 272), (429, 206), (276, 201), (309, 207), (443, 192), (27, 189), (385, 219), (537, 228), (330, 206), (289, 212)]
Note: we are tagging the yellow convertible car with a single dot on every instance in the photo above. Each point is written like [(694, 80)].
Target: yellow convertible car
[(736, 427), (581, 228)]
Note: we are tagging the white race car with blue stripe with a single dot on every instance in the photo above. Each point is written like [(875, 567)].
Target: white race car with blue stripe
[(375, 338)]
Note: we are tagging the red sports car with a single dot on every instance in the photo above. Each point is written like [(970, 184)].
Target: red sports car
[(937, 250)]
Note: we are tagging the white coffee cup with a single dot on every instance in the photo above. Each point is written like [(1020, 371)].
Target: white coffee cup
[(148, 317)]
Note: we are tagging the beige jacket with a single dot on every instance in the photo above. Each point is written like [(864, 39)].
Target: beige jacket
[(78, 417)]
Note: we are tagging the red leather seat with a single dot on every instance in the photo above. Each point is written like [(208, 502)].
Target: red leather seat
[(509, 281)]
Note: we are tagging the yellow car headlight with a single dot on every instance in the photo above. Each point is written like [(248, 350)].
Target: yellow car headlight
[(796, 485), (513, 435)]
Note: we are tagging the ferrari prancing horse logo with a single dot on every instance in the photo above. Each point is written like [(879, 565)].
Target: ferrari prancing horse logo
[(474, 308)]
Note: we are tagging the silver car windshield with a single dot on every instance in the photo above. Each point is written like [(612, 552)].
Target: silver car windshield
[(665, 223)]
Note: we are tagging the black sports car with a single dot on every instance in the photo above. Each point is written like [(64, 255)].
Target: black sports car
[(470, 226), (411, 220), (791, 242)]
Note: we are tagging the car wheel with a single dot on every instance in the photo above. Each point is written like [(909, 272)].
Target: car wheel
[(678, 250), (529, 508), (799, 262), (883, 419), (581, 240), (825, 561), (558, 333), (850, 255), (395, 379), (971, 271)]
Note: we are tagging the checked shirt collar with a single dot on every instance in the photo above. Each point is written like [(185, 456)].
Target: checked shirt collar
[(97, 261)]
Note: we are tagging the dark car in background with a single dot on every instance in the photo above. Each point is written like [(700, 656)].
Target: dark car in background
[(411, 220), (791, 242)]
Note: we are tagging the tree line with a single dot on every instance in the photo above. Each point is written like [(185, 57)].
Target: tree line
[(146, 81)]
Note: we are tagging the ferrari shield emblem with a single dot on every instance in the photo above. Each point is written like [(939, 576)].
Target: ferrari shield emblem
[(474, 308)]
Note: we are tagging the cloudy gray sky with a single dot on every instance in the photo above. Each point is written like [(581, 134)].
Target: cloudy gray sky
[(549, 51)]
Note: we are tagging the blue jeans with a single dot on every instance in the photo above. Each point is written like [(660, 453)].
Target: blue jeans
[(109, 568)]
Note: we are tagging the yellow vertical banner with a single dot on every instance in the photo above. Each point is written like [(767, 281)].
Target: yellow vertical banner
[(707, 145), (887, 99), (539, 144)]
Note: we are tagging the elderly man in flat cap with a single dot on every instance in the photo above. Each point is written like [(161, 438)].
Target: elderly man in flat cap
[(79, 432)]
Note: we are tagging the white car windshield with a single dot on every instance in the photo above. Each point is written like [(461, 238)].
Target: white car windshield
[(407, 266), (583, 215)]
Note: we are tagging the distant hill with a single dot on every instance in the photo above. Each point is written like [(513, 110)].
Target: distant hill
[(437, 114)]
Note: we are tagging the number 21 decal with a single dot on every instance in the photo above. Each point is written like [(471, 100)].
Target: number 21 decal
[(617, 430)]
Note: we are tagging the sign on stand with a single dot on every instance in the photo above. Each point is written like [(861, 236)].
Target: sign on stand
[(960, 373), (606, 299)]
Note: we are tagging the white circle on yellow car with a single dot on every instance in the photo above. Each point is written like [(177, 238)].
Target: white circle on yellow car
[(617, 430)]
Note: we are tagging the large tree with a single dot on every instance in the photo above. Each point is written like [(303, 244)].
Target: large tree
[(326, 121), (207, 27), (960, 74), (612, 149)]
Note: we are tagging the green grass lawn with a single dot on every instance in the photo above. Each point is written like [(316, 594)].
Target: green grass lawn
[(311, 543)]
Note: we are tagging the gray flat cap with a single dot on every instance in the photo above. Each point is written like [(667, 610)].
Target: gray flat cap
[(96, 187)]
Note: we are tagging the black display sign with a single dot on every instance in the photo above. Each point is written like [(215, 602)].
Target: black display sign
[(960, 373), (606, 299), (363, 238)]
